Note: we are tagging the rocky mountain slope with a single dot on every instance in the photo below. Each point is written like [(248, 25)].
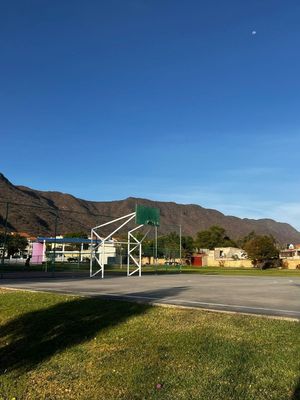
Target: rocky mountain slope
[(42, 213)]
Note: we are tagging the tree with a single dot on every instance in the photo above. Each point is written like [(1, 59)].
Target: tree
[(168, 246), (148, 249), (262, 250), (215, 236), (241, 242), (14, 243), (187, 243)]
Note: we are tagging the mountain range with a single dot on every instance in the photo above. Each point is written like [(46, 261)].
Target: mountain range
[(39, 212)]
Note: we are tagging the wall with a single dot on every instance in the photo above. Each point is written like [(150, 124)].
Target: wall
[(211, 262), (37, 253), (292, 264), (227, 252)]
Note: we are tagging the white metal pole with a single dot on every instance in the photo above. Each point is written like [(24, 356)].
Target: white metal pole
[(156, 245), (44, 254), (128, 253), (121, 264), (81, 251), (140, 269), (91, 260), (180, 244), (115, 220)]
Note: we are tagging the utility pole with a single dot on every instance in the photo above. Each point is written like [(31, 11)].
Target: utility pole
[(180, 244), (155, 244)]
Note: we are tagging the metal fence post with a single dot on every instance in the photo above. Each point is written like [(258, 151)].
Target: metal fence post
[(180, 245), (54, 250), (5, 233)]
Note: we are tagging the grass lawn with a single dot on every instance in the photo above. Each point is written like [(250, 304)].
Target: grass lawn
[(162, 269), (68, 347), (154, 269)]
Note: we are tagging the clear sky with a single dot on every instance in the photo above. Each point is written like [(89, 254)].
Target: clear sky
[(194, 101)]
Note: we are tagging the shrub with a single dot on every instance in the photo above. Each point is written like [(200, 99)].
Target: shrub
[(265, 264)]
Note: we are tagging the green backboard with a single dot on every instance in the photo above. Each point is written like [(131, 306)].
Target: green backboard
[(147, 215)]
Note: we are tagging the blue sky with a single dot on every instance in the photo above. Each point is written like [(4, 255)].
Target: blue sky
[(168, 100)]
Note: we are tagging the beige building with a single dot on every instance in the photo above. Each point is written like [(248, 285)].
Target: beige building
[(291, 256), (227, 257)]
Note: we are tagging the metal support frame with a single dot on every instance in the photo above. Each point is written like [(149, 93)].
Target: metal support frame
[(102, 241), (136, 244)]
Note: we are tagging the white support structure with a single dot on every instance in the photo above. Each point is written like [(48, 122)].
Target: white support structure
[(98, 248), (136, 244)]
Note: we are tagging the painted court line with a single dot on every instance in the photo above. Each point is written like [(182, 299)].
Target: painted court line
[(206, 304), (167, 301)]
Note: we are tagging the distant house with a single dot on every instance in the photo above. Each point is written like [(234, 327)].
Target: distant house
[(232, 253), (226, 257), (69, 249), (291, 253)]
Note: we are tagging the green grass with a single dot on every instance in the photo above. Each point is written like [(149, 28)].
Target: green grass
[(67, 347), (152, 269), (162, 269)]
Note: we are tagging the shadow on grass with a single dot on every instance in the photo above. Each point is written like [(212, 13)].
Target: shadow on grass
[(36, 336), (296, 394)]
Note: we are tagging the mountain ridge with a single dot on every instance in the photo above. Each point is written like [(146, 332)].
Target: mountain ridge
[(37, 217)]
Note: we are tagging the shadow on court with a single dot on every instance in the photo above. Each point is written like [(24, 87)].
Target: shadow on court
[(36, 336)]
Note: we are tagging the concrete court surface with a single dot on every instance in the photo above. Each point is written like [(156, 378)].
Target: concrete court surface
[(272, 296)]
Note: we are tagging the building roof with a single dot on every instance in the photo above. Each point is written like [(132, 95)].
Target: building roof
[(66, 240)]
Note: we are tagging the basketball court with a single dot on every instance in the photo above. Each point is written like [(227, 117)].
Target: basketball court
[(276, 297)]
